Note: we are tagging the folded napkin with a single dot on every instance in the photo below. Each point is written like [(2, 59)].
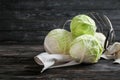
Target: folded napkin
[(113, 52), (54, 60)]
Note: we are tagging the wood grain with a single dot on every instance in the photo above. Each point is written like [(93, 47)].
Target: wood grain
[(17, 63), (60, 4), (28, 21)]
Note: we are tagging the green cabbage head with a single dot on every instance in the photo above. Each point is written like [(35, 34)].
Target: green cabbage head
[(58, 41), (86, 49), (82, 24)]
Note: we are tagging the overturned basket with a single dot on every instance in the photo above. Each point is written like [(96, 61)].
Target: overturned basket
[(104, 26)]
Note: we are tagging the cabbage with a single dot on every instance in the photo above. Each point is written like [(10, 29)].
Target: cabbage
[(58, 41), (82, 24), (101, 38), (86, 49)]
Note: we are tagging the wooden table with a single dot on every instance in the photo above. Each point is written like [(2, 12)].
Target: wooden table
[(17, 63)]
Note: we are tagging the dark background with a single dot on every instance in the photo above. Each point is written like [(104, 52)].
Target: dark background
[(28, 21)]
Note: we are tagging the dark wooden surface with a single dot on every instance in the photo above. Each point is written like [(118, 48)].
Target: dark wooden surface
[(28, 21), (16, 63)]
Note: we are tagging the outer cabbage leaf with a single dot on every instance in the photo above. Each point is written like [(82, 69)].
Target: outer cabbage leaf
[(86, 49), (58, 41), (82, 24)]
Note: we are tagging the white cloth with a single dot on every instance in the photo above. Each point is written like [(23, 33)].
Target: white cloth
[(54, 60), (113, 52)]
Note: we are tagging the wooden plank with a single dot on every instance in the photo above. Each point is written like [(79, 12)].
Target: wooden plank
[(9, 53), (83, 4), (22, 35), (21, 25), (16, 67), (25, 42), (21, 4), (68, 4), (72, 73), (20, 48), (47, 20), (40, 15)]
